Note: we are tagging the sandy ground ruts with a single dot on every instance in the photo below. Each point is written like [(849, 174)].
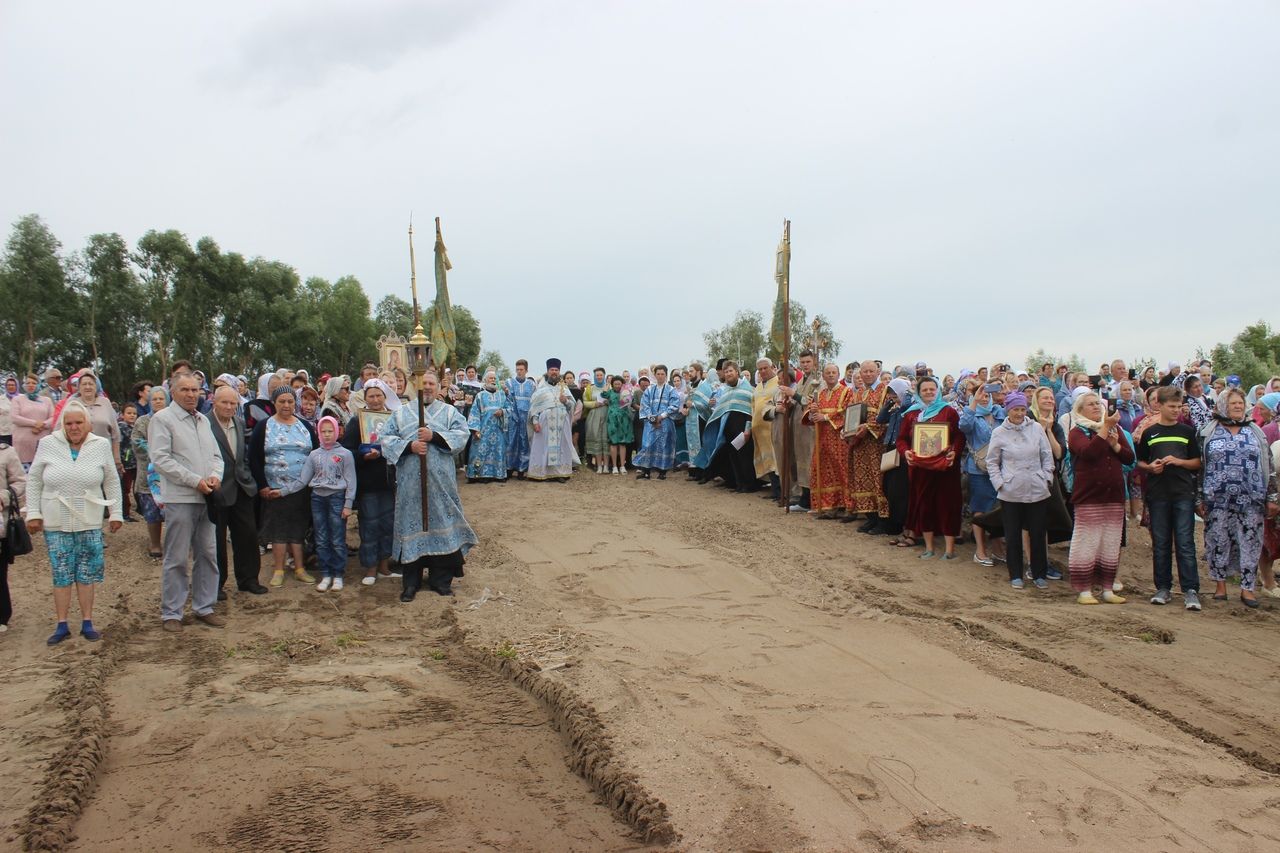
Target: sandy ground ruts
[(339, 722), (789, 684), (778, 682)]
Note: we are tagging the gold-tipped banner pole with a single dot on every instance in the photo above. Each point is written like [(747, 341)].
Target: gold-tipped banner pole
[(784, 271), (420, 347)]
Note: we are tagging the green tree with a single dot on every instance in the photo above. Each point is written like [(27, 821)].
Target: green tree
[(491, 359), (1253, 355), (742, 340), (1039, 357), (40, 315), (393, 314), (166, 260), (113, 304)]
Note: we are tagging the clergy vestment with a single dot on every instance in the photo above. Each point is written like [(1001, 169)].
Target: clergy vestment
[(866, 483), (762, 428), (829, 467), (804, 433), (519, 392), (730, 418), (443, 545), (658, 405), (551, 453), (699, 413), (488, 460)]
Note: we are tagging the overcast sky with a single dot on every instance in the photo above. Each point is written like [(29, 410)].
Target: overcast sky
[(967, 181)]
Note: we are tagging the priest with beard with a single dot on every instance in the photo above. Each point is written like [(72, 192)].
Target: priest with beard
[(731, 421), (551, 452), (439, 550)]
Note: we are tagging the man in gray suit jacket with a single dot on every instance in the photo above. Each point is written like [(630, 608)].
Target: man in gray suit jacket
[(234, 497)]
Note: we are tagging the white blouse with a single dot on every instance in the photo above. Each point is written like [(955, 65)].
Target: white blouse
[(70, 494)]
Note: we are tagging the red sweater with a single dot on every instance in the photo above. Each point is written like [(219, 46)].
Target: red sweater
[(1099, 471)]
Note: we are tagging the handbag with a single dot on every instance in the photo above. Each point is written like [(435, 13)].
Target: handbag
[(889, 460), (17, 538)]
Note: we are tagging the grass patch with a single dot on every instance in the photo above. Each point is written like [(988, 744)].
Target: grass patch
[(506, 650), (347, 640), (436, 654)]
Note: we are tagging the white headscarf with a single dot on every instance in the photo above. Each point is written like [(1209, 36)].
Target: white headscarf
[(393, 402), (333, 386), (263, 382)]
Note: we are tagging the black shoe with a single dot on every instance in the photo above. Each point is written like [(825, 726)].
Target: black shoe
[(643, 475), (408, 595), (849, 519), (662, 475), (255, 589), (866, 528), (222, 595)]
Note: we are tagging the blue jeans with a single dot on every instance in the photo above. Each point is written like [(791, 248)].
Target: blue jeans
[(330, 532), (1173, 525), (377, 523)]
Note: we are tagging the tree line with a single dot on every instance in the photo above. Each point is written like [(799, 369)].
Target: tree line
[(131, 311)]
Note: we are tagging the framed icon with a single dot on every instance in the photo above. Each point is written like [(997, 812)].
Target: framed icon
[(371, 426), (930, 439), (854, 417)]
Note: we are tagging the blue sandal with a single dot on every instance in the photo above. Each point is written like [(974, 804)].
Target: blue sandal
[(927, 555)]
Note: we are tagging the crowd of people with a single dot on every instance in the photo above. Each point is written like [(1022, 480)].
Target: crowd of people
[(226, 472)]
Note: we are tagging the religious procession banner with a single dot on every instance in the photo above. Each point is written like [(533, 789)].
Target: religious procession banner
[(444, 339), (782, 273)]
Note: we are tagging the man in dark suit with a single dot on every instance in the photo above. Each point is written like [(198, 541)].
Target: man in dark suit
[(234, 497)]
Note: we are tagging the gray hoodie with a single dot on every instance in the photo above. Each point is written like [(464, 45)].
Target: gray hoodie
[(1020, 462)]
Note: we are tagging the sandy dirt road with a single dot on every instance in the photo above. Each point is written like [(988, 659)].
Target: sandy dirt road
[(788, 684), (339, 722), (779, 683)]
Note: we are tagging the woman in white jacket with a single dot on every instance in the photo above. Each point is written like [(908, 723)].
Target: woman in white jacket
[(72, 478)]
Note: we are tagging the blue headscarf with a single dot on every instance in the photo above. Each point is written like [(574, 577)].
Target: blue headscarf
[(927, 412)]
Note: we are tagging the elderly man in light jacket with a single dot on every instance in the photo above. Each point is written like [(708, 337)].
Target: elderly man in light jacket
[(186, 456)]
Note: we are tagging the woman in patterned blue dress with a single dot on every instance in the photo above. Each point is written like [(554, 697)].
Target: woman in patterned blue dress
[(488, 426), (1237, 493)]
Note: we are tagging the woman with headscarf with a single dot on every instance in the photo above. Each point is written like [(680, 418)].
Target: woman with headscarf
[(151, 513), (337, 394), (102, 417), (488, 449), (894, 467), (1237, 494), (375, 486), (72, 479), (1099, 451), (32, 415), (978, 421), (6, 398), (1271, 531), (934, 502), (1199, 409), (681, 387), (595, 430), (277, 451), (13, 475), (260, 408)]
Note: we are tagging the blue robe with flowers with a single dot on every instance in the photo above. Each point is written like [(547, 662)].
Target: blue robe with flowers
[(519, 395), (658, 448), (448, 530), (488, 449)]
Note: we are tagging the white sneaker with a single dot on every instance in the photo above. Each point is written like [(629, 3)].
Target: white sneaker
[(617, 470), (369, 581), (1116, 586), (323, 586), (337, 584)]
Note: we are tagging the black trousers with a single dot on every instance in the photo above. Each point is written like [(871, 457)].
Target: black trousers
[(1029, 517), (239, 521), (6, 603)]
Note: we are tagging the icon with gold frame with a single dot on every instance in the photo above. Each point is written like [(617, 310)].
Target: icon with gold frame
[(930, 439)]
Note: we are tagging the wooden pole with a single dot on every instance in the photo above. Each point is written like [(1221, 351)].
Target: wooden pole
[(422, 412), (788, 452)]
